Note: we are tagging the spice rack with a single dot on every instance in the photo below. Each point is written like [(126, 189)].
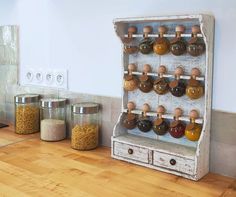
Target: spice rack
[(191, 159)]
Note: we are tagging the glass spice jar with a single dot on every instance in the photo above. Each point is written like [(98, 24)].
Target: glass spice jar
[(130, 81), (53, 119), (145, 81), (161, 86), (129, 46), (178, 44), (26, 113), (85, 126), (177, 86), (160, 126), (130, 120), (131, 30), (177, 127), (144, 124), (161, 44), (194, 88), (193, 129), (146, 44), (196, 45), (130, 49)]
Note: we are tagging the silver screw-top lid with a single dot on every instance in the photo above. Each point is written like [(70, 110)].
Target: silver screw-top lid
[(85, 108), (26, 98), (52, 103)]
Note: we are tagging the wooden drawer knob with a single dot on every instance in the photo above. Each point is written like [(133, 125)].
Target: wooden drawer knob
[(130, 151), (172, 162)]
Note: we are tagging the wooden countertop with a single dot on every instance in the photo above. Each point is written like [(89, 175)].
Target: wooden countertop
[(31, 167)]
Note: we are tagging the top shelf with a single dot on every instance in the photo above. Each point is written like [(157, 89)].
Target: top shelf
[(165, 35)]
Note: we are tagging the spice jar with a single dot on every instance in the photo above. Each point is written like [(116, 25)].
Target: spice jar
[(146, 45), (178, 87), (130, 120), (129, 46), (177, 127), (26, 113), (130, 81), (161, 86), (146, 82), (85, 128), (131, 30), (160, 126), (53, 119), (193, 130), (178, 44), (194, 88), (196, 46), (144, 124), (161, 44)]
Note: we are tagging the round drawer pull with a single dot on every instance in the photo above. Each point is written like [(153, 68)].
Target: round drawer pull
[(130, 151), (172, 162)]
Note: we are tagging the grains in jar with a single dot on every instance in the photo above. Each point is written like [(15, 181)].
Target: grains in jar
[(84, 137), (26, 114)]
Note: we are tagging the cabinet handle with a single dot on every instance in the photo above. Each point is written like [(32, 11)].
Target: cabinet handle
[(130, 151), (172, 162)]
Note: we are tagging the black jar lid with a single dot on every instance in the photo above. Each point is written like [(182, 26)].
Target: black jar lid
[(85, 108), (53, 102), (26, 98)]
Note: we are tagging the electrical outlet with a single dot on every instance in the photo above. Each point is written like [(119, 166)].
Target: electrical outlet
[(49, 78), (39, 77), (29, 75)]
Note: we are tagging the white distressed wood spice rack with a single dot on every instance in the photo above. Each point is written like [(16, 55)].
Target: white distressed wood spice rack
[(148, 149)]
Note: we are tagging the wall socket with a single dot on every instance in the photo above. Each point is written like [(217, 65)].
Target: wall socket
[(55, 78)]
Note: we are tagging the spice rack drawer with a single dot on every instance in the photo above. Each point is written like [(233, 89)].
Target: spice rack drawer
[(131, 152), (173, 162)]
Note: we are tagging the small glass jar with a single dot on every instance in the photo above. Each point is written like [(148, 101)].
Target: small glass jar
[(26, 113), (53, 119), (85, 126)]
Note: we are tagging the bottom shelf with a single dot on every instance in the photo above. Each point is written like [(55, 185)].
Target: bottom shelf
[(161, 146), (164, 156)]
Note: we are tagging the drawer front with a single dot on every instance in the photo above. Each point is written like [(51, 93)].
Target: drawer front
[(131, 152), (173, 162)]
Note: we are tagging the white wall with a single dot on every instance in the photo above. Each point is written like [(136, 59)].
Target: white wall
[(79, 35)]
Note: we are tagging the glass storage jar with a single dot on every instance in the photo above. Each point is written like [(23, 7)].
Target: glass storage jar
[(53, 119), (26, 113), (85, 126)]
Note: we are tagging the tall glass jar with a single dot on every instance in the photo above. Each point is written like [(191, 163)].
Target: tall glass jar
[(85, 126), (53, 119), (26, 113)]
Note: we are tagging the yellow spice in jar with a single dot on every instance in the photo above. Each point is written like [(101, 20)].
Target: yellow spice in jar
[(27, 119), (84, 137)]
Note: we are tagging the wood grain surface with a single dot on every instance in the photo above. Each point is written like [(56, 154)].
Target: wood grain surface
[(30, 167)]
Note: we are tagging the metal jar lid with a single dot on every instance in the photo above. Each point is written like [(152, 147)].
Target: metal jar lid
[(26, 98), (85, 108), (52, 103)]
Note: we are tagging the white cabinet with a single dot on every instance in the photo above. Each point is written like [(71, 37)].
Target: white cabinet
[(178, 156)]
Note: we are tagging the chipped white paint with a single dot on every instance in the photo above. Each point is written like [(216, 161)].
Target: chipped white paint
[(138, 153), (192, 158), (182, 164)]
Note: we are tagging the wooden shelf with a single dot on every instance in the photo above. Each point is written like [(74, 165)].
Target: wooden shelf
[(191, 158), (155, 144), (166, 116), (166, 75), (165, 35)]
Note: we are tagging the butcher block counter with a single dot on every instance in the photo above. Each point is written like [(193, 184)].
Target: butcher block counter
[(31, 167)]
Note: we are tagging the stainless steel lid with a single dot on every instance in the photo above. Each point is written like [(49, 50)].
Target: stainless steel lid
[(85, 108), (52, 103), (26, 98)]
